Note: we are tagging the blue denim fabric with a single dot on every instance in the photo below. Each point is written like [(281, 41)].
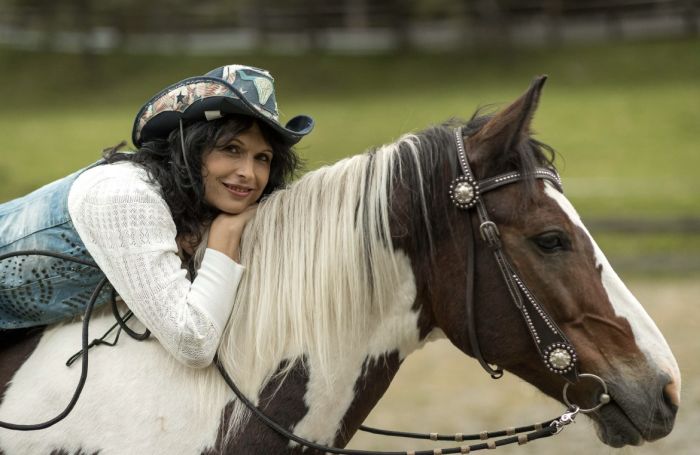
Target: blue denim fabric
[(38, 290)]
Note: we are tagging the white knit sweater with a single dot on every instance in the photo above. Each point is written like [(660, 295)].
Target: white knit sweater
[(128, 229)]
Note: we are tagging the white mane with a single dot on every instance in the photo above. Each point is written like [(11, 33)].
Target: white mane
[(320, 269)]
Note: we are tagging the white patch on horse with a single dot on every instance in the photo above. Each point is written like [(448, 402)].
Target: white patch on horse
[(396, 331), (647, 336), (137, 399)]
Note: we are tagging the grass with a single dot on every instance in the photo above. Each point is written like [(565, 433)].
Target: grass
[(623, 117)]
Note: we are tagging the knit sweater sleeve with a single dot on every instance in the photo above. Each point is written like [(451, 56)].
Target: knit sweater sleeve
[(128, 229)]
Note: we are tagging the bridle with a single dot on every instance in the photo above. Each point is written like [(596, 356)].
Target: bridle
[(553, 347), (555, 350)]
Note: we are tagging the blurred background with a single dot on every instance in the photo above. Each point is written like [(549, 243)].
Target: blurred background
[(621, 107)]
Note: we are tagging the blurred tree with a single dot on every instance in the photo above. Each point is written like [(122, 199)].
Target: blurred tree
[(355, 14), (690, 17), (88, 24), (315, 22), (553, 12), (41, 15), (490, 24), (400, 21)]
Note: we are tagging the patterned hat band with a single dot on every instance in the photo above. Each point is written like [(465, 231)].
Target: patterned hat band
[(232, 89)]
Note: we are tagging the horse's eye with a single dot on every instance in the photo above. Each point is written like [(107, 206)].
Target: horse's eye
[(552, 242)]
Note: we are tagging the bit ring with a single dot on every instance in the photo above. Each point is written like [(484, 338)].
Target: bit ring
[(603, 399)]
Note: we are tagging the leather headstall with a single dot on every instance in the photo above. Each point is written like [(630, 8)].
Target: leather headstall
[(555, 350)]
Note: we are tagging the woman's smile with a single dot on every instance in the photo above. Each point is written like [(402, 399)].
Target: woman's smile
[(238, 190), (236, 171)]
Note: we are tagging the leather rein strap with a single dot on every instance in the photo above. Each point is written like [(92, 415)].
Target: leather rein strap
[(555, 350)]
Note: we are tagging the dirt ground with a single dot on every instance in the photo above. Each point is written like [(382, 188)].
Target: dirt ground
[(440, 390)]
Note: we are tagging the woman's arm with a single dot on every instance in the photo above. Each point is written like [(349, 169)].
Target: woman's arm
[(226, 230), (128, 229)]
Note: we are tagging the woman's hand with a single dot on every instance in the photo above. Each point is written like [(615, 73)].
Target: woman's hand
[(226, 230)]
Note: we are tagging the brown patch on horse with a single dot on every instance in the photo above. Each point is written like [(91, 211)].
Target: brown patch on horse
[(286, 407), (569, 284), (377, 374), (441, 273), (15, 348)]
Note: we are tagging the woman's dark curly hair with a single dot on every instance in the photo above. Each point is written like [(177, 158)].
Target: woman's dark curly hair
[(166, 166)]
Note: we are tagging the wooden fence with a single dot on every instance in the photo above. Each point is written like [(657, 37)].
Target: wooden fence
[(335, 25), (683, 257)]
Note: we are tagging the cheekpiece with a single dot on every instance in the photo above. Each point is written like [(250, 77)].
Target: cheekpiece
[(464, 192), (559, 358)]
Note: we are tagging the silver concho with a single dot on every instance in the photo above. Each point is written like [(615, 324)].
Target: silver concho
[(560, 357), (464, 192)]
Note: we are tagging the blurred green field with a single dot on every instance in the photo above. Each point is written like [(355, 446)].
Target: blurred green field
[(625, 118)]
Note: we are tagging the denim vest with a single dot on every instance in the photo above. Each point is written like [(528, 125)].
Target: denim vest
[(39, 290)]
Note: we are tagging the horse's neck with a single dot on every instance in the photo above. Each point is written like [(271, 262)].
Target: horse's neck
[(355, 400), (329, 410), (360, 382), (296, 405)]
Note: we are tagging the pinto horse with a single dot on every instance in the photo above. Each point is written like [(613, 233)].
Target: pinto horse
[(349, 270)]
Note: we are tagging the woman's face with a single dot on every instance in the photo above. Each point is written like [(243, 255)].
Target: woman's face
[(236, 171)]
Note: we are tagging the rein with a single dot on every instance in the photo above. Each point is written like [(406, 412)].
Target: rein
[(121, 321), (555, 350), (520, 435)]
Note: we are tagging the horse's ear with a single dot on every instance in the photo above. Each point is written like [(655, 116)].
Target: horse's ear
[(504, 131)]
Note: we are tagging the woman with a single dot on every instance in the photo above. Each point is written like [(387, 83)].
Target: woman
[(208, 148)]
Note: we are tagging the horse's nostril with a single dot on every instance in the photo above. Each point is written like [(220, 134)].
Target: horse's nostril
[(672, 395)]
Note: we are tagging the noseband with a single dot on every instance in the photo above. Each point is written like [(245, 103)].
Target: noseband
[(555, 350)]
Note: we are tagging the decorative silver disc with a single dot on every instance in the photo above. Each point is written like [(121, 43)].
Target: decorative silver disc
[(464, 192), (560, 357)]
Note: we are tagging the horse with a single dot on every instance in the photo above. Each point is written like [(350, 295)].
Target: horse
[(349, 270)]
